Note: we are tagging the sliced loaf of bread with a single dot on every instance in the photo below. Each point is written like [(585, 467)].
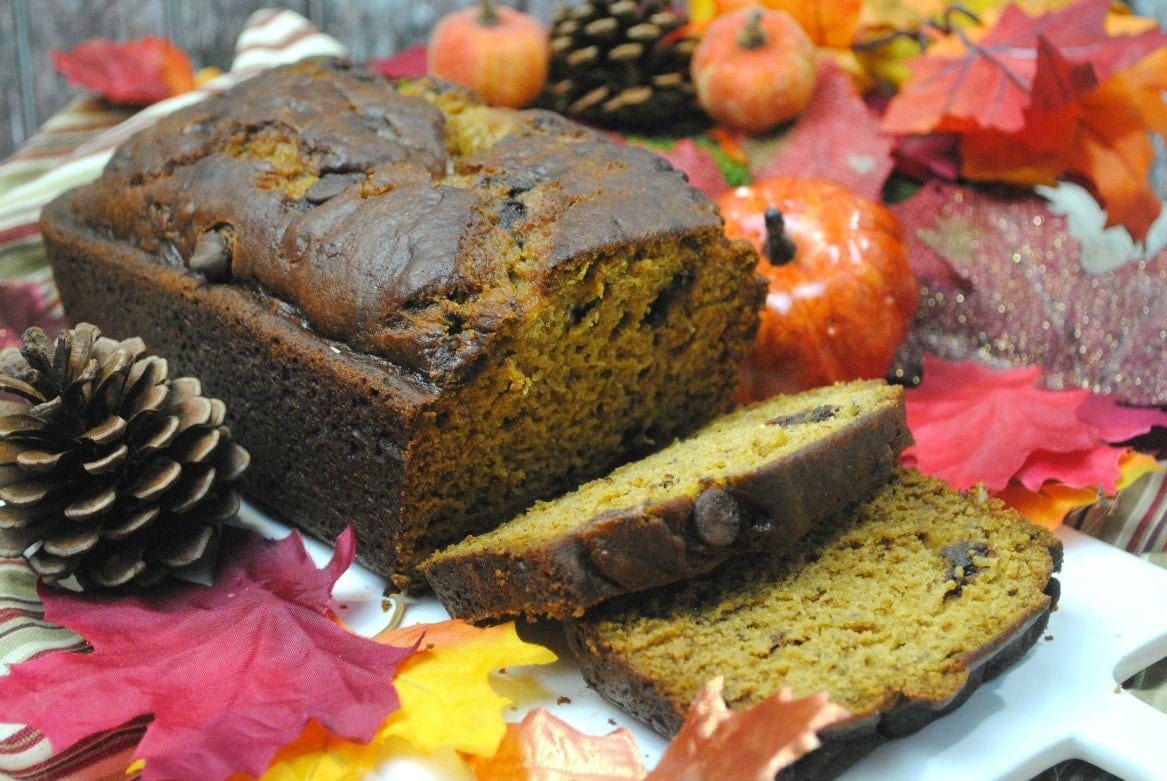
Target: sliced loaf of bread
[(756, 479), (898, 609)]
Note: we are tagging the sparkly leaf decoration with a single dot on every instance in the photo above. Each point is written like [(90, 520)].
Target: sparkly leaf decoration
[(447, 701), (836, 138), (230, 672), (752, 744), (1002, 284), (135, 73), (543, 747)]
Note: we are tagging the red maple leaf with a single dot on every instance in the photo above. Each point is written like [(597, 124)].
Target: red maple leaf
[(134, 73), (975, 425), (1022, 63), (698, 165), (836, 138), (230, 672)]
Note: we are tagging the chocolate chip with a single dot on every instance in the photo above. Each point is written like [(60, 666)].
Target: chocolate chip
[(961, 566), (717, 517), (212, 254), (330, 185), (802, 417)]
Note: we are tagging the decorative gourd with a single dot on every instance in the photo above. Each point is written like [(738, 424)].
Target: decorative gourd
[(754, 69), (841, 294), (501, 53)]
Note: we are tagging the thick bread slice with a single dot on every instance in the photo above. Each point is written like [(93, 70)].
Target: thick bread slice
[(898, 609), (756, 479)]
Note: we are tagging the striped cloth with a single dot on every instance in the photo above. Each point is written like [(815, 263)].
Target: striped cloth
[(71, 149)]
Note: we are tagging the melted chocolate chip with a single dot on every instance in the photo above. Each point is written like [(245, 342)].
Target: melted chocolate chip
[(961, 566), (330, 185), (717, 517), (802, 417), (212, 254)]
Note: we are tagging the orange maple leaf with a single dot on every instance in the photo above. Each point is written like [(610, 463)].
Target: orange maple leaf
[(543, 747), (990, 78), (1102, 138), (749, 744)]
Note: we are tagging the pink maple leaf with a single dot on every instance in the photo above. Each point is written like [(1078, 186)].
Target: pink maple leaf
[(230, 672), (975, 425), (836, 138)]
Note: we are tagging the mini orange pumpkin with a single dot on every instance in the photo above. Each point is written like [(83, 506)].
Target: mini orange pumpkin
[(841, 294), (754, 69), (501, 53)]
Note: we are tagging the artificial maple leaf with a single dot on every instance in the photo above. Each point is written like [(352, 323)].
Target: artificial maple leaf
[(22, 306), (989, 80), (699, 166), (1024, 433), (1049, 504), (751, 744), (1002, 284), (230, 672), (405, 64), (837, 138), (543, 747), (135, 73), (447, 702)]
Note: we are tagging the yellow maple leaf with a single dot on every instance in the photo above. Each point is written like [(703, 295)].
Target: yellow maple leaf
[(448, 705)]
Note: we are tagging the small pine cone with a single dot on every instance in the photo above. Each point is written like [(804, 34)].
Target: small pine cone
[(621, 65), (111, 473)]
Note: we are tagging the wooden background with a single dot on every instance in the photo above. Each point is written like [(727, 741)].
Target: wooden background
[(205, 29)]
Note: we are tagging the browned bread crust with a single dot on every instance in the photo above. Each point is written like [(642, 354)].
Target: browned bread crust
[(683, 510), (898, 609), (423, 313)]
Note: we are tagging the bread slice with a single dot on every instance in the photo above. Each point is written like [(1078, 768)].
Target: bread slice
[(755, 479), (898, 609)]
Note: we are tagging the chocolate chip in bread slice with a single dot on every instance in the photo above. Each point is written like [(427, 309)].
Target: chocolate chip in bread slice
[(755, 479)]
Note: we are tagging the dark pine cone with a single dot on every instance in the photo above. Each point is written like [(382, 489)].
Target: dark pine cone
[(111, 473), (622, 65)]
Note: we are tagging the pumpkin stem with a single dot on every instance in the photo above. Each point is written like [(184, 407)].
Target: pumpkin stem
[(780, 249), (752, 36), (487, 16)]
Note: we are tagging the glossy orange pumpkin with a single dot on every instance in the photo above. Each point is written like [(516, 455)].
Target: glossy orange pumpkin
[(841, 293)]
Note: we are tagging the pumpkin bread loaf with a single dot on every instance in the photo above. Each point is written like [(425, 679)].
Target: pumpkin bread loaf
[(898, 609), (423, 313), (755, 479)]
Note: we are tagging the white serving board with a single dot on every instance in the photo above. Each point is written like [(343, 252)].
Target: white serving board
[(1062, 700)]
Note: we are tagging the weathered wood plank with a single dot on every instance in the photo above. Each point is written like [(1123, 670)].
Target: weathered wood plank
[(205, 29)]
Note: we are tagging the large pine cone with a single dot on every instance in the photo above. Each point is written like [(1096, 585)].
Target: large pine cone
[(622, 65), (111, 473)]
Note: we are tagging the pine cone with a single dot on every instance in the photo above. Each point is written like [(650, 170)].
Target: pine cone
[(621, 65), (111, 473)]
